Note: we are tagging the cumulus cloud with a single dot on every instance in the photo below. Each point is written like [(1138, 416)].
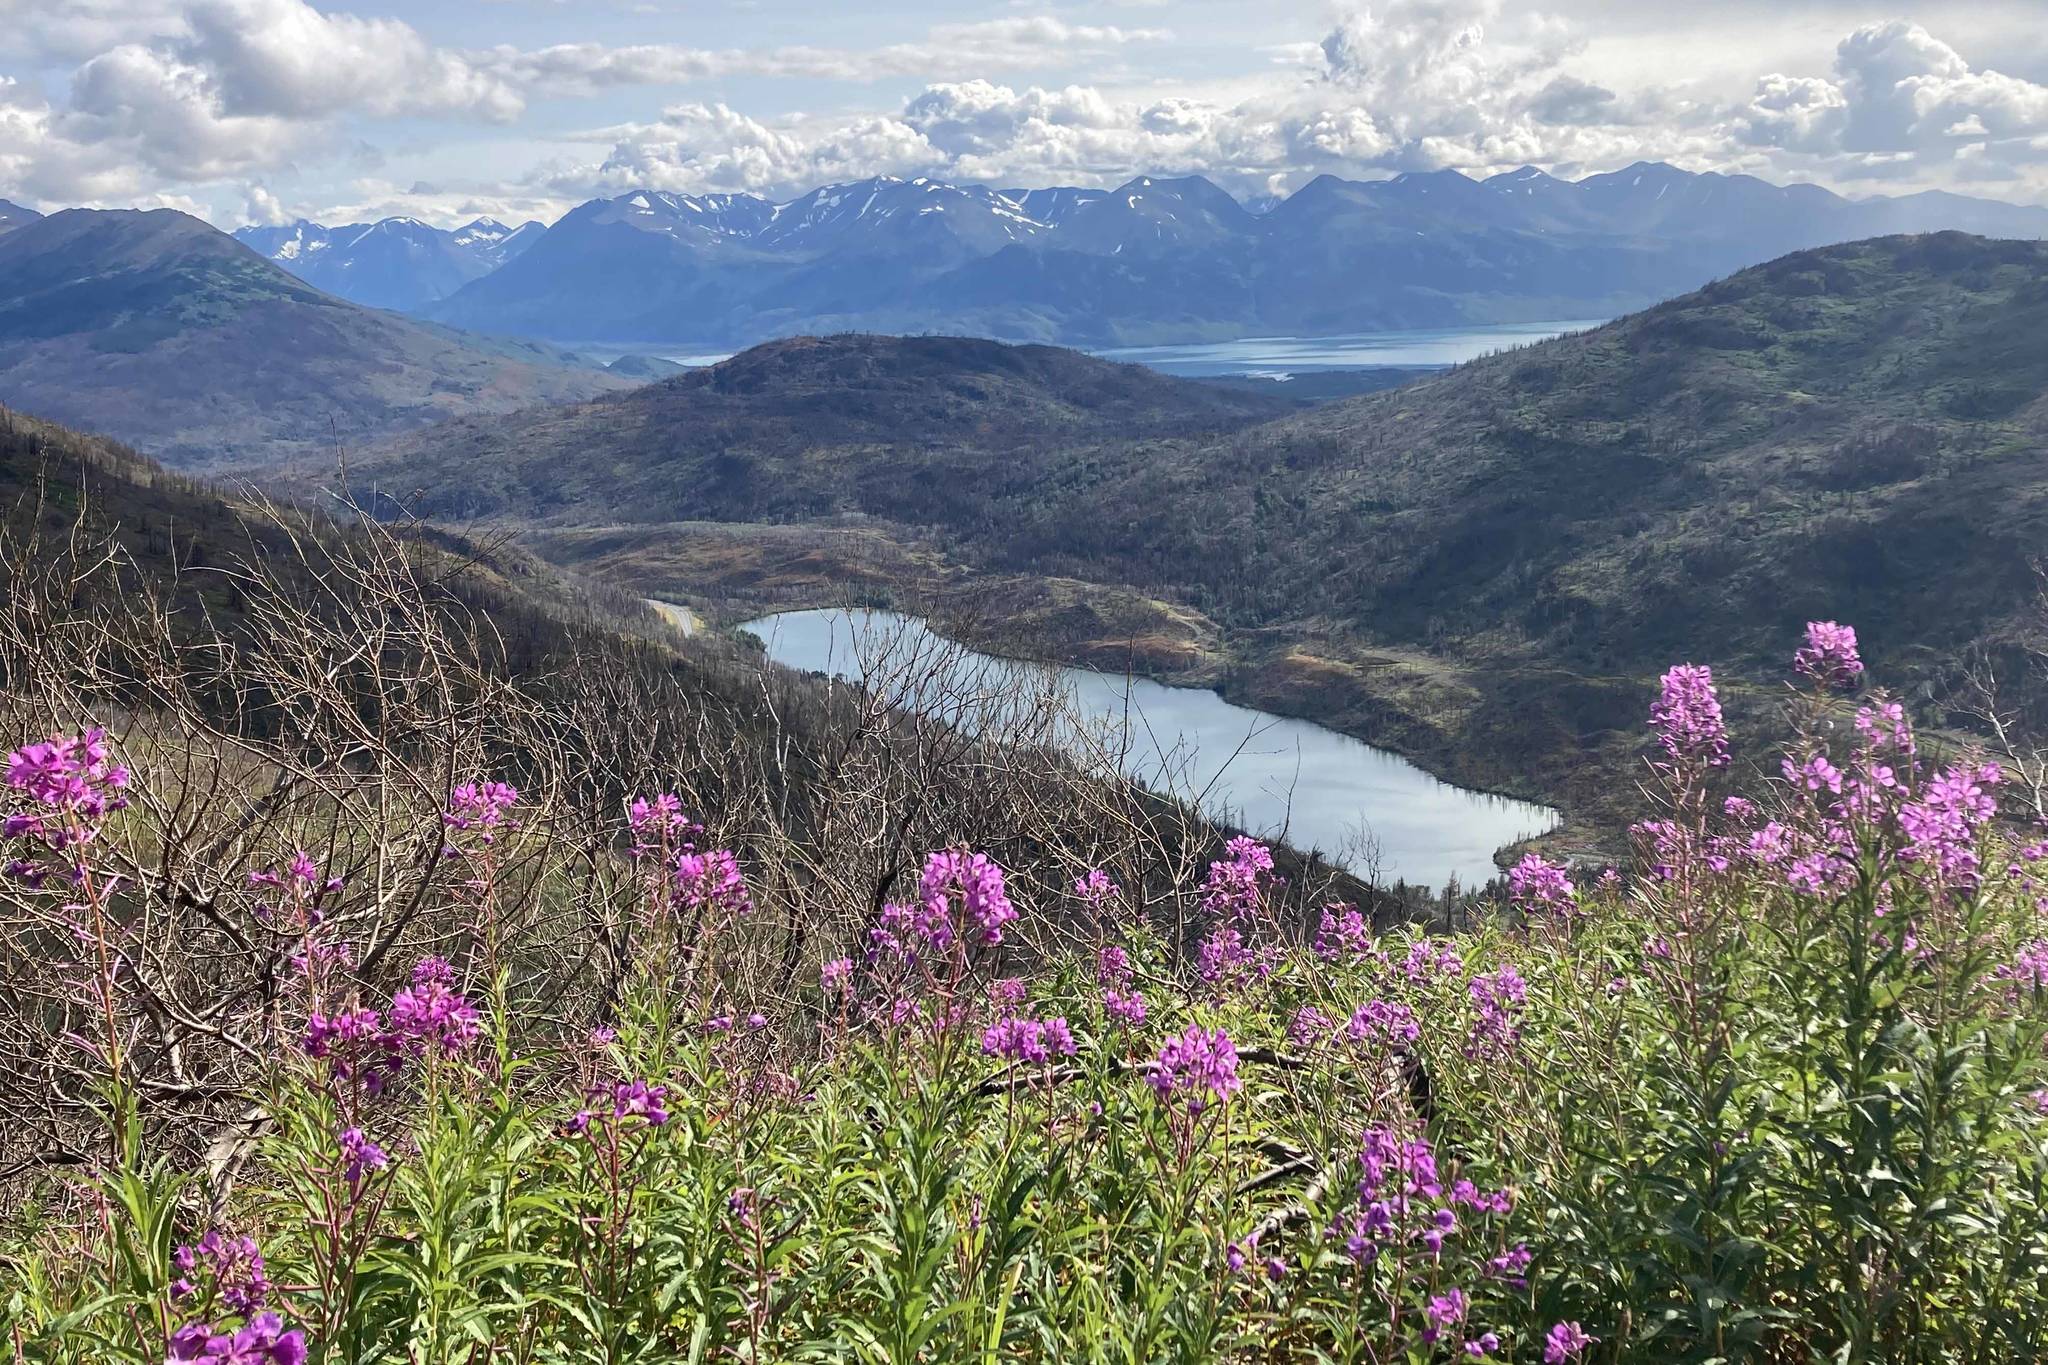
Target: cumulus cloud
[(167, 95), (1901, 101)]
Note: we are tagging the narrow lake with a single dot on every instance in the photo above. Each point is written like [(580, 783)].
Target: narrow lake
[(1271, 357), (1370, 810), (1278, 357)]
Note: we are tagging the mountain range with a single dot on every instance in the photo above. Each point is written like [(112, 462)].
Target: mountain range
[(1486, 567), (392, 263), (156, 329), (1155, 260)]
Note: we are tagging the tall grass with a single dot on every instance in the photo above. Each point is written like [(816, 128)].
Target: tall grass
[(1777, 1092)]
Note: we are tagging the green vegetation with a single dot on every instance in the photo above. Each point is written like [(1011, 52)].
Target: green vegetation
[(1482, 568), (155, 329)]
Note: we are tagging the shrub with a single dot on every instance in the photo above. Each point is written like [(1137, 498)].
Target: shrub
[(1780, 1093)]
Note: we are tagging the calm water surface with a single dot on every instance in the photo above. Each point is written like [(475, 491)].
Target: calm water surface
[(1282, 356), (1276, 357), (1373, 811)]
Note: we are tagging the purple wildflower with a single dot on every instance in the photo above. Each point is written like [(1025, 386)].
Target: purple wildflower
[(1096, 889), (639, 1100), (1195, 1069), (431, 1013), (712, 881), (1342, 932), (1123, 1007), (1499, 997), (262, 1340), (972, 883), (1018, 1039), (360, 1156), (480, 806), (1309, 1027), (1565, 1341), (1445, 1311), (72, 775), (1112, 966), (1537, 884), (230, 1266), (1941, 827), (1829, 655), (1687, 717), (836, 975), (1388, 1021), (1235, 881)]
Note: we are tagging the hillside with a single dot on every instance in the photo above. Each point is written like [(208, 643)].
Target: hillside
[(1166, 260), (157, 330), (1486, 568), (891, 426)]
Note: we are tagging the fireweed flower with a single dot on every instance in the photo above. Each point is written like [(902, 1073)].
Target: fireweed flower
[(1884, 729), (962, 893), (1195, 1070), (1342, 932), (836, 975), (1829, 655), (2028, 971), (431, 1014), (639, 1100), (75, 776), (480, 806), (1445, 1311), (1112, 967), (1941, 827), (1007, 994), (262, 1340), (1429, 958), (1535, 884), (1309, 1027), (356, 1047), (1123, 1007), (1236, 881), (1384, 1020), (1096, 890), (359, 1157), (1687, 717), (711, 881), (659, 822), (1565, 1341), (1499, 996), (223, 1267), (1018, 1039)]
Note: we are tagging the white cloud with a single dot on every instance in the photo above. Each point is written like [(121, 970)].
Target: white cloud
[(1899, 103), (235, 98), (1010, 44)]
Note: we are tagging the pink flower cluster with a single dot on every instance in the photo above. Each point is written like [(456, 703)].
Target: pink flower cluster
[(228, 1270), (1536, 884), (480, 806), (1342, 932), (1687, 717), (1018, 1039), (1195, 1070), (711, 882), (263, 1340), (1237, 880), (1829, 655)]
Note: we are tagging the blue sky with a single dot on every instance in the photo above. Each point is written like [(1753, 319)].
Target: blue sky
[(247, 110)]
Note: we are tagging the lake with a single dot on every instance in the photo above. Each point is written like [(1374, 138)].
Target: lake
[(1272, 357), (1372, 811), (1278, 357)]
